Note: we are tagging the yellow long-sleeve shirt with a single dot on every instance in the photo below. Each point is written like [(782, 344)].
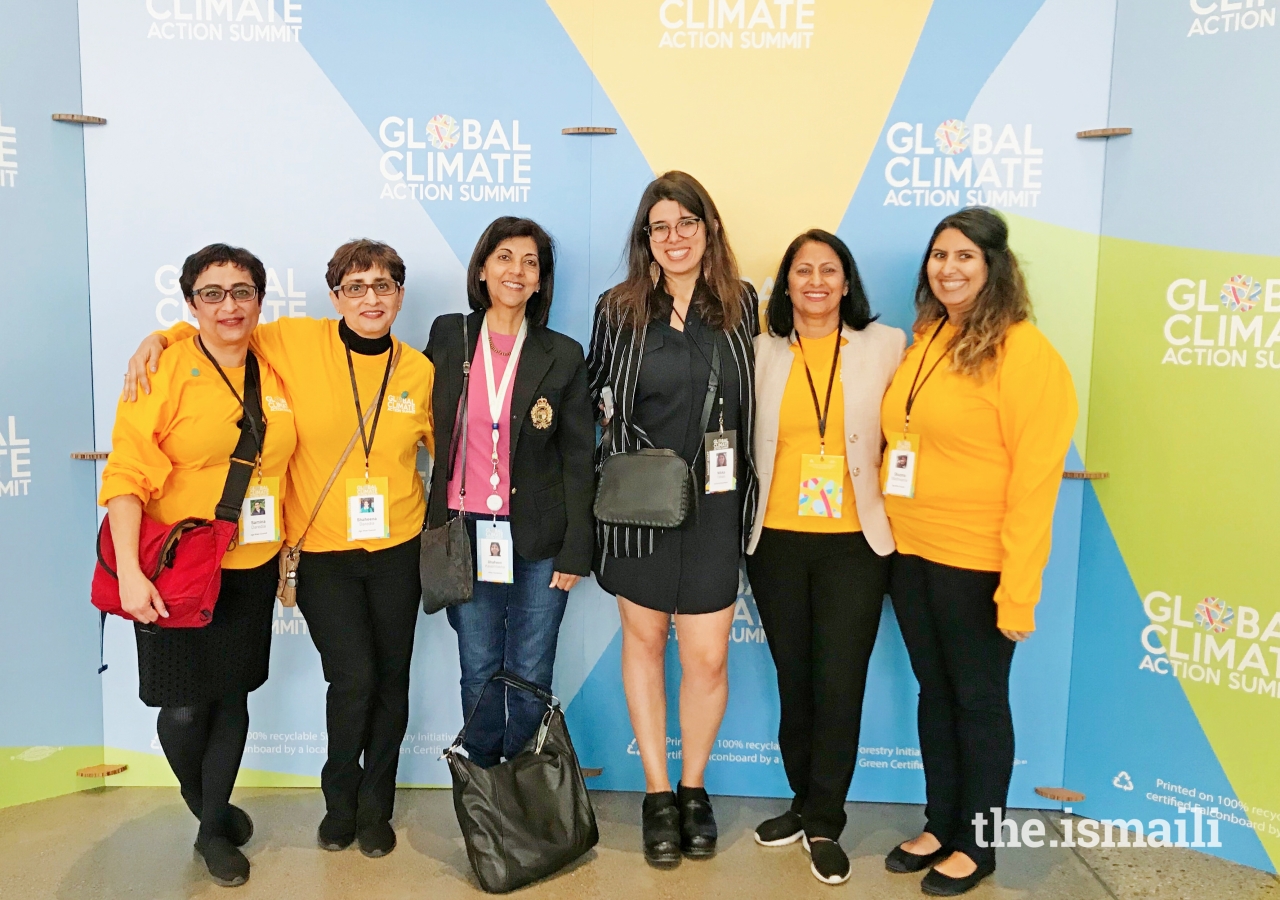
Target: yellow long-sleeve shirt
[(798, 435), (172, 448), (311, 359), (990, 463)]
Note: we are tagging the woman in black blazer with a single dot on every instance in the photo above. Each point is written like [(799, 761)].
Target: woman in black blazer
[(524, 481), (681, 315)]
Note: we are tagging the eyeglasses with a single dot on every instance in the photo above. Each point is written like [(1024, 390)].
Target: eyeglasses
[(354, 290), (661, 231), (214, 294)]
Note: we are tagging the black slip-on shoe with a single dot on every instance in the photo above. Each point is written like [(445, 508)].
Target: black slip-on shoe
[(905, 862), (828, 862), (698, 831), (335, 834), (935, 884), (376, 840), (660, 824), (227, 866), (780, 830)]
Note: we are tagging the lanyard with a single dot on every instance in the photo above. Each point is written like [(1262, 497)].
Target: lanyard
[(258, 438), (497, 393), (367, 439), (914, 392), (714, 382), (831, 380)]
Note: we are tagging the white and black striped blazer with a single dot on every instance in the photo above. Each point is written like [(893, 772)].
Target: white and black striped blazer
[(613, 361)]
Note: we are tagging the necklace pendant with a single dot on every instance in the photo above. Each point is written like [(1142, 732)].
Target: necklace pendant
[(494, 503)]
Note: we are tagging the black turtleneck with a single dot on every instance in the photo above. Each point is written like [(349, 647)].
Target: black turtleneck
[(363, 345)]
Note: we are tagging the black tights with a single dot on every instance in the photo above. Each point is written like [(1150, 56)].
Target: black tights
[(204, 745)]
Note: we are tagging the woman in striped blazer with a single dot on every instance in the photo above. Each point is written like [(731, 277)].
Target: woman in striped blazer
[(681, 312)]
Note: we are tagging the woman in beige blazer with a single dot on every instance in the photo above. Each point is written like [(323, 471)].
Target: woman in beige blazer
[(818, 554)]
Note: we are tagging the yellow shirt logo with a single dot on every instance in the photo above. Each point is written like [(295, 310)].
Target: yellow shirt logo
[(402, 404), (277, 404)]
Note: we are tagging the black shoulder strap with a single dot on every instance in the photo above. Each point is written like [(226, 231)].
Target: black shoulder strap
[(252, 439), (713, 385), (460, 420)]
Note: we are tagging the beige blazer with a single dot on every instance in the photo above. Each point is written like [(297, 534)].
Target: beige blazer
[(867, 363)]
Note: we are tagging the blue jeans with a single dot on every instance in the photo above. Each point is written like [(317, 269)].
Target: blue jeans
[(513, 627)]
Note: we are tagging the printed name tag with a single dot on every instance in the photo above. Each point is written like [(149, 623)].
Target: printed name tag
[(493, 552), (260, 513), (821, 485), (367, 509), (722, 473), (900, 464)]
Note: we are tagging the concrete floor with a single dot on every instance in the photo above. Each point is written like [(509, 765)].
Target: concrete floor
[(136, 843)]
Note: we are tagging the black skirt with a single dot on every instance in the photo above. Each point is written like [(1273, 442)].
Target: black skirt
[(230, 655)]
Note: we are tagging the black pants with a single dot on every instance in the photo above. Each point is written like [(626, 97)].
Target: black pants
[(204, 745), (961, 660), (820, 597), (361, 608)]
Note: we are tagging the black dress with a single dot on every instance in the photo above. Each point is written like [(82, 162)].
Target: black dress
[(230, 655), (694, 568)]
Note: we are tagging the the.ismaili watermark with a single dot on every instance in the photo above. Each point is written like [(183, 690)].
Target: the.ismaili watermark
[(1089, 833)]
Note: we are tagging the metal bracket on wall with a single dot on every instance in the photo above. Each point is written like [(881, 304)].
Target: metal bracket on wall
[(1086, 476), (95, 455), (78, 119), (1104, 132), (589, 129)]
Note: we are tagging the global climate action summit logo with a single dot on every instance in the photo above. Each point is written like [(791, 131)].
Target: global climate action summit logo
[(952, 137), (442, 131), (1240, 293), (1212, 614)]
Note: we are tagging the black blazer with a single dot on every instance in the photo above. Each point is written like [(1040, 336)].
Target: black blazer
[(552, 477), (614, 362)]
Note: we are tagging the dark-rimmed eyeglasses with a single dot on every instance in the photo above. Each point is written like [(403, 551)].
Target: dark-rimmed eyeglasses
[(214, 294), (661, 231), (354, 290)]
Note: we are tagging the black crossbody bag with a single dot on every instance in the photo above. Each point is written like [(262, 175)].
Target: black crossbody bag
[(651, 487), (445, 563)]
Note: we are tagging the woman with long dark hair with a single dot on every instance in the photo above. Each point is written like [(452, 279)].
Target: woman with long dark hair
[(681, 322), (977, 422), (819, 552), (528, 483)]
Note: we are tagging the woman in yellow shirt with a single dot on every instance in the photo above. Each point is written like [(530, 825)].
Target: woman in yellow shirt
[(977, 422), (358, 583), (170, 455), (818, 558)]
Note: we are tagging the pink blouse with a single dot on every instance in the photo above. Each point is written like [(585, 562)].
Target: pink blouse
[(480, 435)]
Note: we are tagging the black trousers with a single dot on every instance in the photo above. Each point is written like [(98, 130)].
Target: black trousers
[(204, 745), (361, 608), (961, 660), (820, 597)]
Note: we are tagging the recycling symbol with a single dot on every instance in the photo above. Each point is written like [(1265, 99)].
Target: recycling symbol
[(1123, 781)]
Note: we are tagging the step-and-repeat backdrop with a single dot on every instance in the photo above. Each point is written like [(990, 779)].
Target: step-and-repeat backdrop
[(289, 126)]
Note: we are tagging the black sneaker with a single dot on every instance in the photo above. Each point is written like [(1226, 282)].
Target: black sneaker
[(780, 830), (227, 866), (661, 830), (698, 831), (377, 839), (239, 826), (335, 834), (828, 862)]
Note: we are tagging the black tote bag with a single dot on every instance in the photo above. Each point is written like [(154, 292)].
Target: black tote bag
[(530, 816)]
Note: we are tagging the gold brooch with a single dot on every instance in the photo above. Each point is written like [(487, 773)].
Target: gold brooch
[(541, 414)]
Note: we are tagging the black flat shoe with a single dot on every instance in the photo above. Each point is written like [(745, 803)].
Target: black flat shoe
[(661, 829), (376, 840), (904, 862), (335, 834), (938, 885), (227, 866), (780, 830), (697, 823), (828, 862)]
